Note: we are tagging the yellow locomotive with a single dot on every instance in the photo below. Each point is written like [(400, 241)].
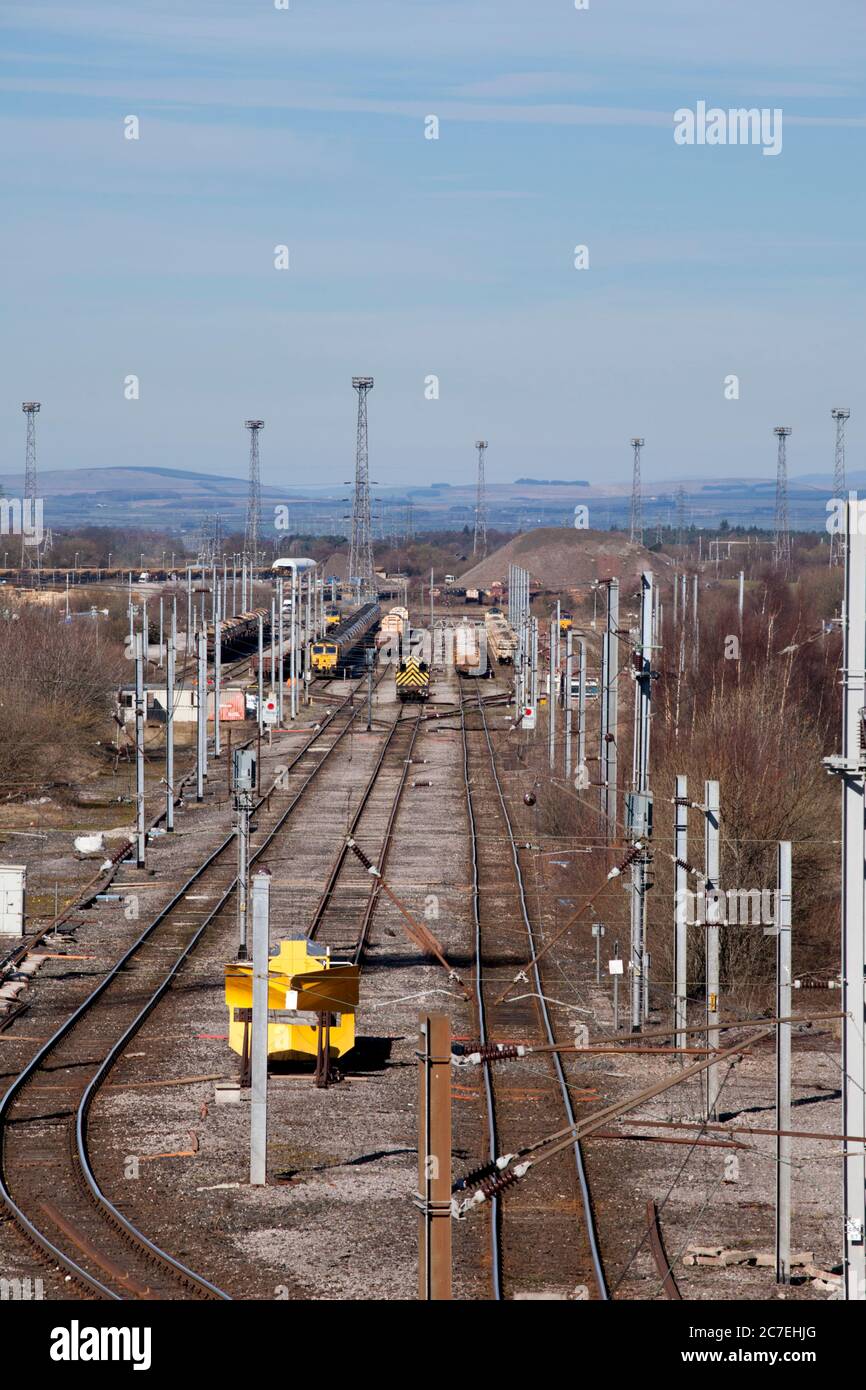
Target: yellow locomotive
[(413, 679), (332, 616), (331, 653)]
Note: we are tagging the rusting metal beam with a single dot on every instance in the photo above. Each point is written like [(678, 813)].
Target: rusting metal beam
[(663, 1266)]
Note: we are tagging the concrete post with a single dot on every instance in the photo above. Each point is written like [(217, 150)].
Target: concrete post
[(259, 1043), (783, 1065), (552, 693), (140, 835), (611, 698), (169, 718), (273, 641), (280, 681), (711, 885), (569, 669), (217, 682), (201, 716), (581, 706), (261, 682), (851, 769), (681, 885), (293, 648)]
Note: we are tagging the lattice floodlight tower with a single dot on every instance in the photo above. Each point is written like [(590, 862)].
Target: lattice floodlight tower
[(361, 548), (479, 540), (210, 544), (782, 535), (636, 527), (28, 501), (253, 533), (681, 515), (840, 415)]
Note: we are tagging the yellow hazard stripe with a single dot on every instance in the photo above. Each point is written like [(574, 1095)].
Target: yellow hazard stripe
[(412, 676)]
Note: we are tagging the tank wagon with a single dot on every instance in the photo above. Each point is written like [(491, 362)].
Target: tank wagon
[(501, 640), (333, 651), (239, 632)]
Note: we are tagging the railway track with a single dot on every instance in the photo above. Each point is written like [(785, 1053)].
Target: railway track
[(46, 1179), (549, 1234), (335, 921)]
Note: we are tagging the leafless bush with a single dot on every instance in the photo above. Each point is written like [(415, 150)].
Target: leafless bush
[(760, 726), (57, 681)]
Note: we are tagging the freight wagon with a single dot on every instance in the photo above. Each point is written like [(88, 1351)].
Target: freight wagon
[(469, 657), (501, 640), (239, 633), (333, 651)]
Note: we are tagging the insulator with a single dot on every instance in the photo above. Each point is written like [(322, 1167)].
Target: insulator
[(368, 863), (491, 1187), (475, 1177), (495, 1052)]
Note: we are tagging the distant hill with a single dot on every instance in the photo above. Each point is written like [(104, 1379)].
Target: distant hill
[(132, 482), (164, 497), (178, 499)]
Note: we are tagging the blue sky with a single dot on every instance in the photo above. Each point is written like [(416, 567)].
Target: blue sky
[(412, 257)]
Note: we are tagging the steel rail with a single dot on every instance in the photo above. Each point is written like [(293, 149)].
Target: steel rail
[(547, 1023), (103, 1203), (336, 868), (386, 845), (659, 1253), (495, 1205)]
